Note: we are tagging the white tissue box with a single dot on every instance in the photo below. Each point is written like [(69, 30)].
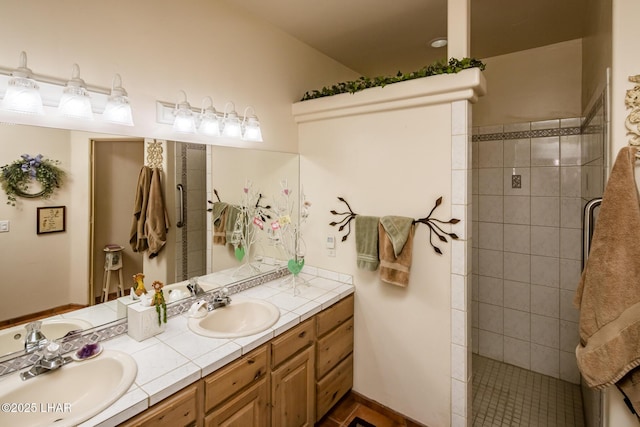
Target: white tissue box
[(143, 322), (122, 304)]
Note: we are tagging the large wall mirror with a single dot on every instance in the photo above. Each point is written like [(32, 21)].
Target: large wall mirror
[(49, 271)]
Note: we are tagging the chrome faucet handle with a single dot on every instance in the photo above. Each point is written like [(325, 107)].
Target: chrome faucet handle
[(35, 338)]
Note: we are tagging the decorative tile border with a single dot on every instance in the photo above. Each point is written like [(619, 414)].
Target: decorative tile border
[(536, 133)]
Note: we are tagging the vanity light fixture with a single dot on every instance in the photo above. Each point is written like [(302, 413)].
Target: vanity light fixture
[(232, 127), (251, 127), (75, 101), (23, 93), (209, 123), (118, 109), (184, 120)]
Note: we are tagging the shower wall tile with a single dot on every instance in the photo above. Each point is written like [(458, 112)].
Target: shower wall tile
[(491, 181), (517, 295), (525, 180), (545, 271), (490, 263), (491, 236), (475, 340), (545, 181), (545, 211), (517, 267), (475, 234), (545, 301), (571, 212), (491, 208), (491, 345), (568, 369), (517, 210), (475, 185), (545, 241), (490, 154), (487, 130), (570, 271), (517, 324), (517, 238), (491, 290), (545, 360), (571, 243), (474, 154), (517, 127), (545, 151), (475, 287), (571, 122), (517, 152), (545, 124), (475, 207), (570, 154), (490, 318), (570, 177), (545, 331), (569, 337), (475, 316), (567, 310), (517, 352)]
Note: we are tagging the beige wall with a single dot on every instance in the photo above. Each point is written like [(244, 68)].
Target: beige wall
[(596, 49), (35, 268), (389, 163), (536, 84)]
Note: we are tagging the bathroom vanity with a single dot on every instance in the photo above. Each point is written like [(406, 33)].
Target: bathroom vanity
[(291, 374)]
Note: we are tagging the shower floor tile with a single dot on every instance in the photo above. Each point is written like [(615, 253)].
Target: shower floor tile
[(505, 395)]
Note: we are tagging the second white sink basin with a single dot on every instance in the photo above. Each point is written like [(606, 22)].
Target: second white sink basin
[(12, 339), (69, 395), (243, 317)]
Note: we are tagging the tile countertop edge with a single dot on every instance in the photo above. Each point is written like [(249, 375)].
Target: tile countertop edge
[(138, 399)]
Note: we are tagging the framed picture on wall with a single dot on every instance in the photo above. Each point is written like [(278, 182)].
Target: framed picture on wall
[(51, 219)]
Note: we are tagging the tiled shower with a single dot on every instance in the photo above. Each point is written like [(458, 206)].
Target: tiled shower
[(530, 182)]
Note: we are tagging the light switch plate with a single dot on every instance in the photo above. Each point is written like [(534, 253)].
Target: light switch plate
[(4, 226)]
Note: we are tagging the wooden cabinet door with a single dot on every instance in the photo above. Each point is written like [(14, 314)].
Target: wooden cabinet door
[(248, 409), (181, 409), (293, 392)]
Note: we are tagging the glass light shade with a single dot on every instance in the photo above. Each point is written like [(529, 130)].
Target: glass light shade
[(23, 96), (184, 121), (118, 110), (252, 130), (209, 123), (232, 127), (75, 102)]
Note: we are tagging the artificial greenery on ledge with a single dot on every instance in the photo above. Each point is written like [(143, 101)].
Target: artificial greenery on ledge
[(16, 177), (453, 66)]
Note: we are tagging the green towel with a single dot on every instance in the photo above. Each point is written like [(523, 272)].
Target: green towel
[(216, 210), (367, 242), (398, 229), (232, 216)]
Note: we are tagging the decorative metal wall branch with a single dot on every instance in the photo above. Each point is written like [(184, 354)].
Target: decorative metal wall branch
[(429, 221)]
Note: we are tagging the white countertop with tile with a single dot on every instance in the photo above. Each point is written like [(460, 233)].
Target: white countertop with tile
[(172, 360)]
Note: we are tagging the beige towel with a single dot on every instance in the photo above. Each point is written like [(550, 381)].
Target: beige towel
[(157, 223), (366, 230), (608, 295), (219, 213), (395, 261), (137, 237)]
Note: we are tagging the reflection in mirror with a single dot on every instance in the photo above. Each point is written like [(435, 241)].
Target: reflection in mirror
[(46, 275)]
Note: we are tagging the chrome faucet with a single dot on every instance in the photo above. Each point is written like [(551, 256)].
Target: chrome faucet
[(221, 300), (35, 339), (194, 288), (50, 359)]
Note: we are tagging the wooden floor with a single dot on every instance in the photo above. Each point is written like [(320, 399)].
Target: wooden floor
[(354, 405)]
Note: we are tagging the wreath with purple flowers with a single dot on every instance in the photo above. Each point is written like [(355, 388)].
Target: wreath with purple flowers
[(16, 177)]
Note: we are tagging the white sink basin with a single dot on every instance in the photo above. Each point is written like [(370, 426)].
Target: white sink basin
[(12, 339), (244, 316), (178, 291), (86, 388)]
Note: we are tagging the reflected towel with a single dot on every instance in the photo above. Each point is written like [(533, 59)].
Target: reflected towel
[(395, 260), (367, 242), (137, 237), (608, 295), (157, 223), (233, 214), (219, 216)]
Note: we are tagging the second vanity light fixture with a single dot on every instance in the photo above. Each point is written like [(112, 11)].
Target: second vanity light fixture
[(207, 121), (27, 92)]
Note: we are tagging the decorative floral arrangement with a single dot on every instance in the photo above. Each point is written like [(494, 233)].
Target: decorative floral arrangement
[(16, 177), (353, 86)]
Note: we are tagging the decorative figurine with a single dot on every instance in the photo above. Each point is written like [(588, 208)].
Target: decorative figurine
[(159, 302), (139, 288)]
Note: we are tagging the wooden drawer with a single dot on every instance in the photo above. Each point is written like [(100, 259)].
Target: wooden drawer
[(181, 409), (291, 342), (229, 380), (334, 316), (334, 347), (332, 387), (249, 408)]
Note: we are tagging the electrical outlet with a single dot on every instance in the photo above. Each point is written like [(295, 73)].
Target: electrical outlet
[(331, 253), (4, 226)]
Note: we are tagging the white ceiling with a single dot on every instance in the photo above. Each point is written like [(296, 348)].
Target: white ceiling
[(381, 37)]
